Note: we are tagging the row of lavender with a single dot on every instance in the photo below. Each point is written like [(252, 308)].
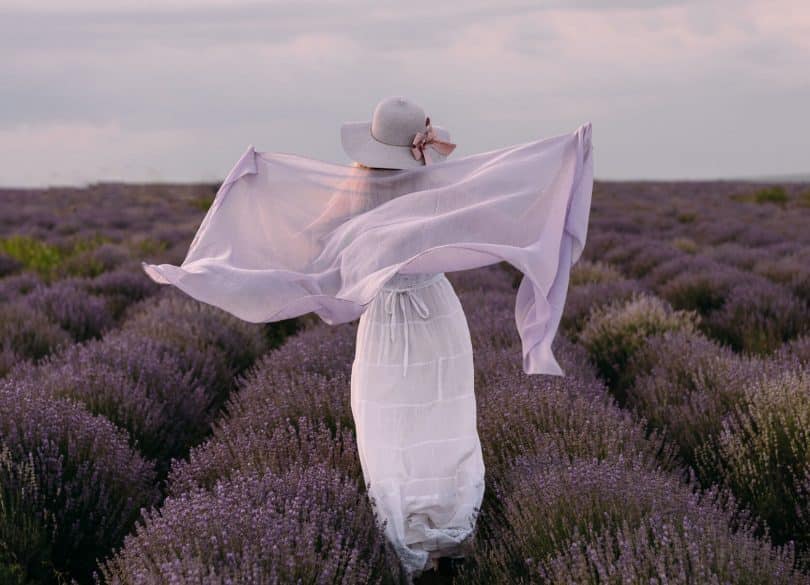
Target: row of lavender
[(105, 377), (700, 324), (89, 432), (578, 490), (738, 412), (738, 255), (69, 259)]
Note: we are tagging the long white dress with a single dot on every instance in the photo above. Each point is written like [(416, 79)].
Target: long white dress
[(413, 403)]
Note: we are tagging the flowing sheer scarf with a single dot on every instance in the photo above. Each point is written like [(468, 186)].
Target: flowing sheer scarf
[(288, 235)]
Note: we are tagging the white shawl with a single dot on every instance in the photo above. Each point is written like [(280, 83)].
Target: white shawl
[(287, 234)]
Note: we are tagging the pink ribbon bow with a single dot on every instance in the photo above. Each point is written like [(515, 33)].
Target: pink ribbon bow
[(429, 138)]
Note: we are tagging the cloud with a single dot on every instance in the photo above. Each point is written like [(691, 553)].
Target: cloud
[(178, 89)]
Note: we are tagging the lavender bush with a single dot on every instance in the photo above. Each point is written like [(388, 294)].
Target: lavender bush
[(759, 318), (157, 362), (687, 245), (615, 521), (737, 255), (490, 318), (791, 270), (640, 255), (600, 242), (13, 287), (316, 349), (742, 309), (25, 537), (122, 287), (576, 417), (489, 365), (763, 453), (91, 482), (308, 525), (618, 330), (584, 298), (27, 334), (95, 260), (193, 327), (278, 395), (9, 359), (257, 443), (593, 272), (143, 387), (798, 348), (682, 265), (702, 292), (68, 303), (686, 384)]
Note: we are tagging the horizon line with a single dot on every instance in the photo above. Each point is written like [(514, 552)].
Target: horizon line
[(796, 178)]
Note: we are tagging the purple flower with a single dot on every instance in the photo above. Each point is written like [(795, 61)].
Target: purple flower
[(92, 484), (67, 303), (591, 521), (306, 525)]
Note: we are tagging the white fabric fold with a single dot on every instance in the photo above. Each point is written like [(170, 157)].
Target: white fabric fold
[(288, 235)]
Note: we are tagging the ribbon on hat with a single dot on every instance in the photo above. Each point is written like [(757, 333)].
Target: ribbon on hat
[(426, 139)]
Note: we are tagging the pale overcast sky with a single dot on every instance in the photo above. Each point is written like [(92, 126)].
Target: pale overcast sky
[(176, 90)]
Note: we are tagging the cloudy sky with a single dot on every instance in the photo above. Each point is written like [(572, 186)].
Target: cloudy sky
[(176, 90)]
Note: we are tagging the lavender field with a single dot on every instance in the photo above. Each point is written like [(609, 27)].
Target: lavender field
[(147, 438)]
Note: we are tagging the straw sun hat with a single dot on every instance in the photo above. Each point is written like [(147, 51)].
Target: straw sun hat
[(399, 136)]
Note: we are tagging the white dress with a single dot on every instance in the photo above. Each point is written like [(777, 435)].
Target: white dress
[(414, 409)]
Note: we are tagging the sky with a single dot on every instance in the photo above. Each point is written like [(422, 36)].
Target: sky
[(176, 90)]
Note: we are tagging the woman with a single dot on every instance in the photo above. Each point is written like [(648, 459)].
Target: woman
[(412, 392), (287, 235), (412, 379)]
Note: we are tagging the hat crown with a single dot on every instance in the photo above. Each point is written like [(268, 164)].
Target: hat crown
[(396, 121)]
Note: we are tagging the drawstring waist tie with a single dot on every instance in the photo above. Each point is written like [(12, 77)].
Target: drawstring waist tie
[(405, 295)]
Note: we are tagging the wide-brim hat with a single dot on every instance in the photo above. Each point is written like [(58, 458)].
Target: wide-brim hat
[(386, 141)]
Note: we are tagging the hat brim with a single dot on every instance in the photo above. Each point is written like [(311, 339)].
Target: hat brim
[(362, 147)]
